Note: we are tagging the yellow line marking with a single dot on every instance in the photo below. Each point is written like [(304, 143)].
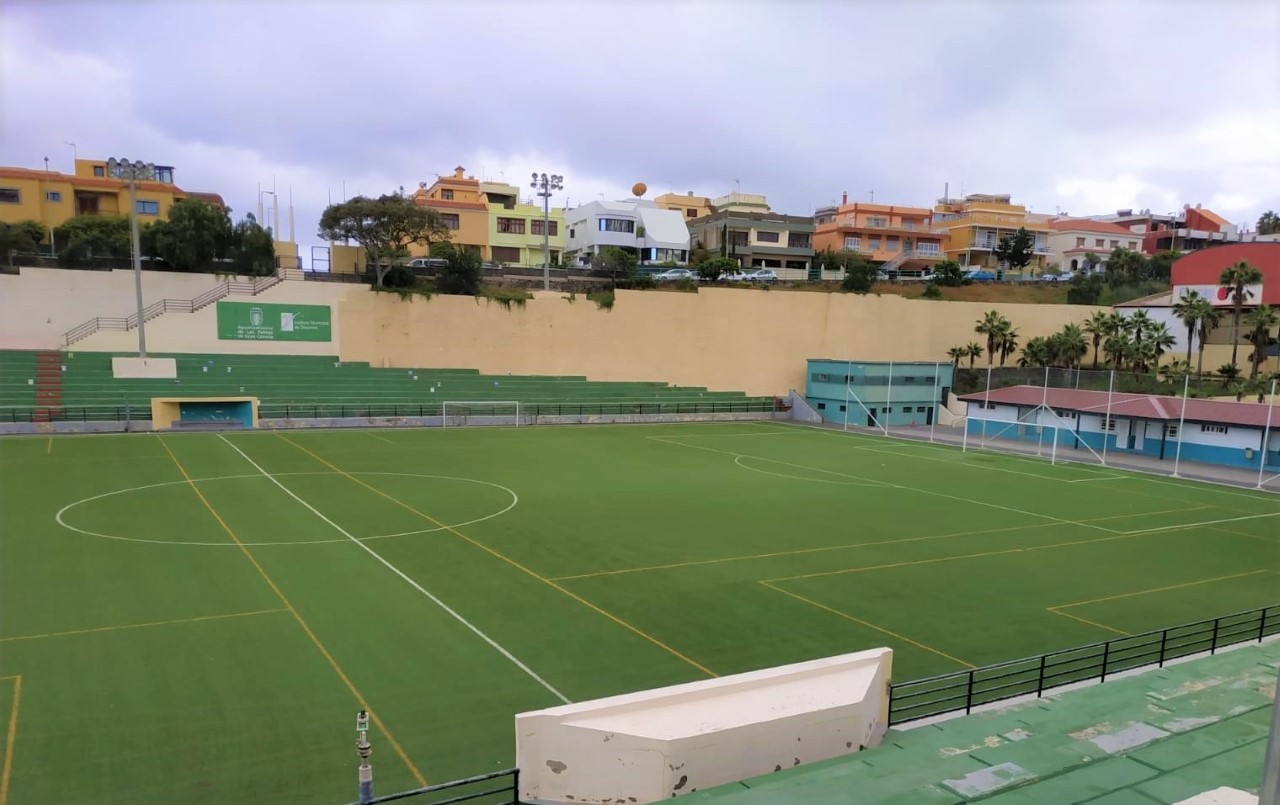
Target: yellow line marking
[(49, 449), (11, 737), (1091, 623), (346, 680), (826, 548), (868, 624), (499, 555), (139, 625), (1161, 589), (971, 555)]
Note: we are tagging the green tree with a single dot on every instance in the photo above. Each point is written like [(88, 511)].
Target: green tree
[(386, 227), (461, 273), (1160, 265), (698, 254), (196, 234), (1269, 223), (713, 268), (1085, 289), (1117, 347), (949, 273), (88, 236), (1209, 322), (1160, 339), (1260, 321), (1069, 345), (1228, 372), (1091, 262), (1189, 310), (1098, 326), (1016, 250), (859, 272), (993, 326), (253, 249), (1008, 343), (955, 354), (1125, 266), (1037, 352), (614, 263), (1237, 279), (23, 236), (932, 290), (973, 350)]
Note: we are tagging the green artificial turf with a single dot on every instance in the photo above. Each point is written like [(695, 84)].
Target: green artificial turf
[(160, 661)]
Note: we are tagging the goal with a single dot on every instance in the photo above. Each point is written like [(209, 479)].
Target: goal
[(457, 413)]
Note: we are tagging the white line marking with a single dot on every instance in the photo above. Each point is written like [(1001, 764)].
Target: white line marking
[(738, 461), (515, 499), (415, 585), (889, 485), (1197, 525)]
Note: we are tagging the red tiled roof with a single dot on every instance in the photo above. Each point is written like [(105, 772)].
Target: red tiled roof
[(1088, 225), (1141, 406), (208, 198)]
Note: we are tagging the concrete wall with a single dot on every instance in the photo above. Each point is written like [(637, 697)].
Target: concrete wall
[(722, 338)]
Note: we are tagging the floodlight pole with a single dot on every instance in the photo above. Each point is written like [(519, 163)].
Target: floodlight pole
[(1182, 420), (545, 184), (364, 750), (133, 171), (1262, 461), (1111, 382)]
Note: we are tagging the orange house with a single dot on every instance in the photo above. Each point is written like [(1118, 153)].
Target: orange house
[(900, 238), (465, 209)]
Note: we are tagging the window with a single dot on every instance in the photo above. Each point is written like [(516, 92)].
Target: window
[(888, 410), (929, 249), (446, 195), (511, 226), (877, 221), (873, 243), (738, 238), (535, 227), (822, 406), (852, 244), (909, 379), (10, 195), (450, 220), (799, 265), (1079, 243), (617, 225), (1098, 243), (842, 409), (1213, 428), (53, 195), (506, 254), (573, 233), (1109, 423), (1171, 431), (691, 213), (892, 244), (798, 240), (990, 406), (1115, 244), (99, 170), (148, 207), (920, 409), (164, 174), (1064, 413), (767, 237), (821, 377)]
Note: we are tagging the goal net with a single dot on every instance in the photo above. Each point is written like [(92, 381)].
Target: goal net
[(458, 413)]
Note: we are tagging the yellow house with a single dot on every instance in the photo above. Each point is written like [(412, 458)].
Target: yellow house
[(689, 205), (52, 198), (515, 229), (975, 225), (459, 200)]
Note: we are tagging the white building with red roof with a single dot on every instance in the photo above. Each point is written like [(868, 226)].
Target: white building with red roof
[(1223, 432), (1072, 240)]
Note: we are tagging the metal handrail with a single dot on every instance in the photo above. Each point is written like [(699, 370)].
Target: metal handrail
[(963, 690)]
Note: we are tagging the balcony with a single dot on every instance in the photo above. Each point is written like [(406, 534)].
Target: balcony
[(905, 226)]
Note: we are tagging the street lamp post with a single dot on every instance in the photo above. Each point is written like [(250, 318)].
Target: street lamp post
[(133, 171), (53, 243), (545, 185)]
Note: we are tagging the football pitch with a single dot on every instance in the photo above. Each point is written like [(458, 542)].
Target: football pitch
[(197, 618)]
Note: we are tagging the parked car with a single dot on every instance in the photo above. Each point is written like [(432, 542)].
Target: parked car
[(977, 275), (734, 276), (1063, 276), (762, 275), (925, 277), (673, 274), (425, 262)]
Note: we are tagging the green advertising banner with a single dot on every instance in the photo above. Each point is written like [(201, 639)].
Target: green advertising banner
[(255, 321)]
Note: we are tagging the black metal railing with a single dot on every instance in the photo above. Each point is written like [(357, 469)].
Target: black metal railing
[(471, 789), (964, 690), (529, 412)]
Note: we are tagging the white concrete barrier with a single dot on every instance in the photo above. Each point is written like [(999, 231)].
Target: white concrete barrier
[(162, 368), (652, 745)]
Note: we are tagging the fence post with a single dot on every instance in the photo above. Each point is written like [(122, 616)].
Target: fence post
[(515, 783), (1106, 655), (968, 695), (1040, 680), (1262, 626), (1164, 638), (1213, 642)]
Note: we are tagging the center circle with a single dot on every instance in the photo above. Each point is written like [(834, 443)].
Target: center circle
[(512, 500)]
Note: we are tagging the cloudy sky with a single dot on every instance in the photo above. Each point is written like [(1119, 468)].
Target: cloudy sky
[(1078, 106)]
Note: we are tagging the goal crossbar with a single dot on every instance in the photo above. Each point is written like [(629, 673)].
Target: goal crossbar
[(460, 410)]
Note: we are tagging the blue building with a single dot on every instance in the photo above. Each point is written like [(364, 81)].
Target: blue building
[(1233, 434), (877, 394)]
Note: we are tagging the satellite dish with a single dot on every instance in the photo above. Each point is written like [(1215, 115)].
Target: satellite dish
[(639, 189), (422, 185)]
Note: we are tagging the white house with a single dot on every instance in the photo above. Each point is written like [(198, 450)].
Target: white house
[(1072, 240), (638, 226)]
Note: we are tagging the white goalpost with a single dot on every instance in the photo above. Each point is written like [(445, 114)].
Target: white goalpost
[(458, 413)]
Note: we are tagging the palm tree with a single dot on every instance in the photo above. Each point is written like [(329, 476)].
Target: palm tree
[(1237, 279), (1037, 352), (1228, 372), (1098, 326), (1069, 345), (1260, 321), (974, 351), (993, 326), (1116, 347), (1209, 321), (955, 354), (1142, 354), (1138, 323), (1160, 338), (1190, 309), (1008, 344)]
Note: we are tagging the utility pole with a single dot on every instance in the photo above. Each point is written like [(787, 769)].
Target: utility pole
[(545, 185)]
